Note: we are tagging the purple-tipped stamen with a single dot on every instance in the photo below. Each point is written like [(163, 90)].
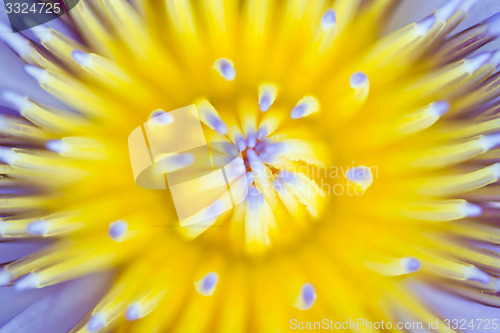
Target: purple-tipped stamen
[(424, 26), (82, 58), (57, 146), (217, 124), (117, 230), (96, 322), (475, 274), (439, 108), (39, 227), (134, 311), (358, 80), (307, 295), (412, 264), (251, 140), (265, 102), (329, 19), (30, 281), (225, 68)]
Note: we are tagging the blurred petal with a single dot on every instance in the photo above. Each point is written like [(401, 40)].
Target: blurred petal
[(10, 251), (13, 76), (455, 307), (12, 302), (481, 11), (58, 310), (409, 11)]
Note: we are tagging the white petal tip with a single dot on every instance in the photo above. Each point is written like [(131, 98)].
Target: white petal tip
[(3, 226), (411, 264), (39, 74), (5, 277), (134, 311), (473, 273), (439, 108), (30, 281), (57, 146), (12, 99), (329, 19), (96, 322), (39, 227), (424, 26), (467, 5), (472, 64), (488, 142), (445, 12), (8, 156), (43, 34), (493, 24), (17, 43), (82, 58), (495, 58), (471, 210)]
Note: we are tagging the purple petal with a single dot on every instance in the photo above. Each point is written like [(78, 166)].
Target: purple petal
[(59, 308)]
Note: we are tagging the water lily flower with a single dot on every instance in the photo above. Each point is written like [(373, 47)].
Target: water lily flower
[(370, 137)]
